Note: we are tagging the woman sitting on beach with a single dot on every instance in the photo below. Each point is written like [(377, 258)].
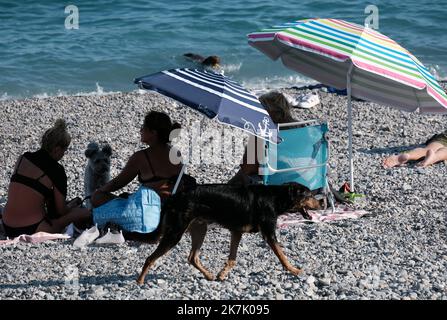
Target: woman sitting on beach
[(38, 189), (435, 150), (156, 173), (279, 110), (152, 165)]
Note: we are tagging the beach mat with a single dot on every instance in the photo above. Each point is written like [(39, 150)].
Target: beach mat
[(341, 212)]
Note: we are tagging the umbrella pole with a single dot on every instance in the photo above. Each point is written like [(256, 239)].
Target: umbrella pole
[(351, 161)]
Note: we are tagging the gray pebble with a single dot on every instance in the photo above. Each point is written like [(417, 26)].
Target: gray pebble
[(397, 252)]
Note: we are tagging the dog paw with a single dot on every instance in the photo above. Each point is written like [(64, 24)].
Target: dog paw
[(221, 276), (209, 276), (140, 281), (296, 271)]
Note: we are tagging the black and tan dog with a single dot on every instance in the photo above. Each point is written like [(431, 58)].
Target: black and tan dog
[(240, 209)]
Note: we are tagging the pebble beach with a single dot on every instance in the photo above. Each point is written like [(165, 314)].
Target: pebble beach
[(397, 251)]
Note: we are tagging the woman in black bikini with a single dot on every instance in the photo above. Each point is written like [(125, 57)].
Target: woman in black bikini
[(152, 165), (38, 189), (154, 168)]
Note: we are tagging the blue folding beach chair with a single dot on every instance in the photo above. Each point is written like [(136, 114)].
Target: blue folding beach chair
[(301, 157)]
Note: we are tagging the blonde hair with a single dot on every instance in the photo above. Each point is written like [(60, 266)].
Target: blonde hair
[(277, 106), (57, 136)]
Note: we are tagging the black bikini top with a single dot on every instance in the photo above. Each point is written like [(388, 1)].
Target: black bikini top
[(34, 184), (155, 178), (50, 168)]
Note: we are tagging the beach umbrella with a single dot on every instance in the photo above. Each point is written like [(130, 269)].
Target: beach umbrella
[(216, 96), (345, 55)]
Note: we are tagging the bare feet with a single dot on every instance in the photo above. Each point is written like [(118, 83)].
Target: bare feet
[(429, 159), (396, 160)]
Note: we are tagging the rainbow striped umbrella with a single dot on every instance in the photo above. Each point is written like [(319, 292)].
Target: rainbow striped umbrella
[(346, 55)]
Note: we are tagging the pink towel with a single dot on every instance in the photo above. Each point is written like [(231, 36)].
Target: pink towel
[(340, 213), (35, 238)]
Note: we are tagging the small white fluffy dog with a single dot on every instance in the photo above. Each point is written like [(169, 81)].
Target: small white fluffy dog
[(97, 171)]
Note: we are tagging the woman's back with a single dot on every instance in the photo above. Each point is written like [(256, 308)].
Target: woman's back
[(27, 192), (38, 189), (156, 170), (156, 164)]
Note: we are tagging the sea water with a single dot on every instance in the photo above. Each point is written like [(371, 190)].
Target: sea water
[(118, 40)]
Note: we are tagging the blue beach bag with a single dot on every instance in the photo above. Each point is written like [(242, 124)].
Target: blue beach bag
[(140, 212)]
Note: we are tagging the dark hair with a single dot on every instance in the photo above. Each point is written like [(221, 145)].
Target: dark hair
[(212, 61), (161, 123), (56, 136)]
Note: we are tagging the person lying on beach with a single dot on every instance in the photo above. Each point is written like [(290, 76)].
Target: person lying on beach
[(435, 150), (38, 189), (209, 62), (279, 110)]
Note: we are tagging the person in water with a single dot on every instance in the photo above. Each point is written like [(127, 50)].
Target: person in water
[(209, 62)]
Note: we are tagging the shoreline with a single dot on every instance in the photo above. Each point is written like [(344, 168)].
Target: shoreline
[(99, 92), (398, 252)]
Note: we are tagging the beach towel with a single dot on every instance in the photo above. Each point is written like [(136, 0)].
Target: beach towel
[(35, 238), (140, 212), (341, 213)]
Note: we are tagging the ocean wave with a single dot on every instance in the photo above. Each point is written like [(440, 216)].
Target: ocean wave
[(60, 93), (98, 92), (438, 72), (255, 85), (261, 85), (232, 67), (4, 97)]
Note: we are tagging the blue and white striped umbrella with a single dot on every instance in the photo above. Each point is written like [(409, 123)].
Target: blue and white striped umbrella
[(216, 96)]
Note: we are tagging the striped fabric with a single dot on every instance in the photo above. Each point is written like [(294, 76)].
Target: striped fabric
[(216, 96), (383, 71)]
